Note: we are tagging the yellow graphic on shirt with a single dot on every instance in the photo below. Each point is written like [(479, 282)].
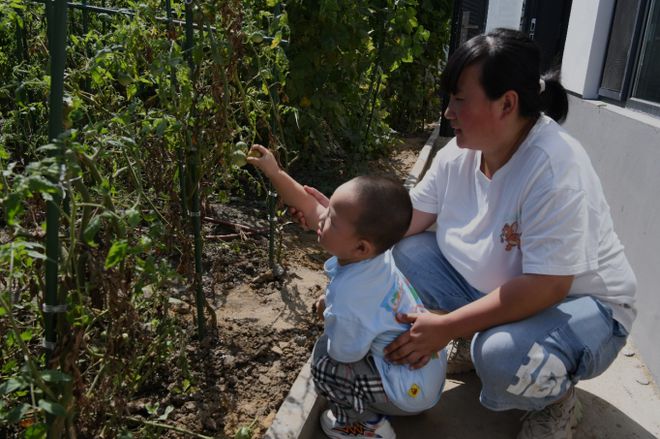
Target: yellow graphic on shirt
[(413, 391)]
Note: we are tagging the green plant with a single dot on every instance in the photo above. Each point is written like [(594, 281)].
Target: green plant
[(156, 126)]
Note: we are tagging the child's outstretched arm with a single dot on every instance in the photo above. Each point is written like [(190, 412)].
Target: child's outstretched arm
[(292, 193)]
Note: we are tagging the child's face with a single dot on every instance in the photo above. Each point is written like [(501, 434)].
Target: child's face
[(336, 230)]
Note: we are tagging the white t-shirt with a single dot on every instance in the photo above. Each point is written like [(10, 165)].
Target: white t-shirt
[(362, 300), (543, 212)]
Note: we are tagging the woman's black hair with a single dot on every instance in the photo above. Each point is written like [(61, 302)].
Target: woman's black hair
[(510, 61)]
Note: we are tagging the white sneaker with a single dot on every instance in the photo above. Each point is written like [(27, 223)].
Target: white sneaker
[(556, 421), (333, 429), (458, 356)]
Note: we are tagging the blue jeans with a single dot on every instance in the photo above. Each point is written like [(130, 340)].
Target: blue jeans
[(527, 364)]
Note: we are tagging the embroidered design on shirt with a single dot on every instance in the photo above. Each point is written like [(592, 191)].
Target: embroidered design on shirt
[(510, 236), (392, 301), (413, 391), (412, 290)]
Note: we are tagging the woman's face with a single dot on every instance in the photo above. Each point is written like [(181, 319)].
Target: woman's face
[(472, 115)]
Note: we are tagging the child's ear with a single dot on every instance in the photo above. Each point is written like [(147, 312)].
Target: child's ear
[(364, 248)]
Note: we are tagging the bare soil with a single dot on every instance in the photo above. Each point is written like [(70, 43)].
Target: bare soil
[(265, 329)]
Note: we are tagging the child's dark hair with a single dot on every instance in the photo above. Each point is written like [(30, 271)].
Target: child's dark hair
[(509, 61), (385, 211)]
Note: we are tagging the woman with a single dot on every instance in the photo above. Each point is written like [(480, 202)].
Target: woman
[(525, 256)]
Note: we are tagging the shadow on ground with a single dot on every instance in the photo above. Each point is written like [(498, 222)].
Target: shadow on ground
[(459, 415)]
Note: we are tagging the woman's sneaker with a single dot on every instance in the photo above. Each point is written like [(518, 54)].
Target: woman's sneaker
[(333, 429), (458, 356), (556, 421)]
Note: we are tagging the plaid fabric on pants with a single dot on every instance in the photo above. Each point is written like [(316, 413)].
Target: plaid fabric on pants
[(352, 389)]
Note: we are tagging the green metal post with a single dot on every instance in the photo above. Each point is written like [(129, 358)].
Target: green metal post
[(193, 167), (85, 18), (105, 26), (57, 49), (180, 151), (85, 29)]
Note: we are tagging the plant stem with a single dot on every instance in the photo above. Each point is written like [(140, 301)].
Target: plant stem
[(170, 427)]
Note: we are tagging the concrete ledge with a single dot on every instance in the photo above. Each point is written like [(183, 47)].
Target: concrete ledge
[(297, 415), (424, 159)]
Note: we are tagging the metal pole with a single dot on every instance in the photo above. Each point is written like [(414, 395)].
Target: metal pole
[(57, 48), (193, 166), (85, 29), (180, 151)]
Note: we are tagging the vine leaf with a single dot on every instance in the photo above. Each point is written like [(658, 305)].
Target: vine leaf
[(116, 254)]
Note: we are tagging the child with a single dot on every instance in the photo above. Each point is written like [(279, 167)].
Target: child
[(365, 217)]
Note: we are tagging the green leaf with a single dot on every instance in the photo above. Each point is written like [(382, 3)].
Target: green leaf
[(116, 254), (161, 126), (11, 385), (91, 230), (2, 311), (36, 431), (36, 255), (133, 217), (17, 413), (13, 207), (276, 41), (26, 335), (52, 407), (9, 367), (166, 413), (55, 376)]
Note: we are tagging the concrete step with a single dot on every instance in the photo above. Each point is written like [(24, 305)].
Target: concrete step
[(624, 402)]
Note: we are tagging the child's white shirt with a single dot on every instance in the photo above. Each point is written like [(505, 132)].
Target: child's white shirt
[(362, 300)]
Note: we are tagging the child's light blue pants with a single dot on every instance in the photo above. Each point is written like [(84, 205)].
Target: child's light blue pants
[(526, 364)]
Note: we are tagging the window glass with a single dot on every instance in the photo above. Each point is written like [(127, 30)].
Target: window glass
[(648, 79), (623, 35)]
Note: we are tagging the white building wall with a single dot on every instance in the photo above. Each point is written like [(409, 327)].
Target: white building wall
[(504, 13), (586, 44), (624, 147)]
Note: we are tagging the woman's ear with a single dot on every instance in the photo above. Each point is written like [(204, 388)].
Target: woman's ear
[(509, 103)]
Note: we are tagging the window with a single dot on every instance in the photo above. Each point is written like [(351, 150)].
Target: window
[(647, 84), (631, 73)]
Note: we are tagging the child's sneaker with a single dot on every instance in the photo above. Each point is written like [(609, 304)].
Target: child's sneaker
[(458, 356), (333, 429), (556, 421)]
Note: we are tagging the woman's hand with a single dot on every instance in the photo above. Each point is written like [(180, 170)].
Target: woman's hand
[(298, 215), (423, 339), (263, 158)]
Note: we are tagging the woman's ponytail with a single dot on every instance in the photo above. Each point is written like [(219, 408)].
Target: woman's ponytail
[(554, 99)]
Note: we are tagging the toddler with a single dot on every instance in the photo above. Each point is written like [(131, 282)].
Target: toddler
[(365, 217)]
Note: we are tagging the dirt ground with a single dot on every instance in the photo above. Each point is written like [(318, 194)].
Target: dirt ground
[(265, 327)]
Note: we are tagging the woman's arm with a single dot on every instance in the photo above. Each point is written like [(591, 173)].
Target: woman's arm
[(517, 299), (420, 221)]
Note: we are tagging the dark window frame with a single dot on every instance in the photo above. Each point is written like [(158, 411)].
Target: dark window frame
[(624, 96)]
